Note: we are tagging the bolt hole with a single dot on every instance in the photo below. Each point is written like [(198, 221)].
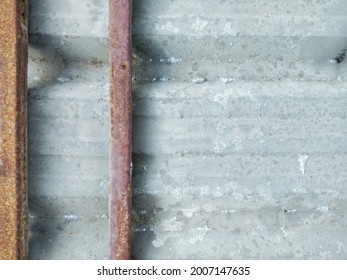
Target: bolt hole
[(123, 66)]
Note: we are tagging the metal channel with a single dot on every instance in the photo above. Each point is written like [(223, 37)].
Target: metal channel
[(120, 44), (13, 129)]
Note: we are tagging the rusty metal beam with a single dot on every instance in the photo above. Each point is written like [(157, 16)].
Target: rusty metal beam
[(120, 45), (13, 110)]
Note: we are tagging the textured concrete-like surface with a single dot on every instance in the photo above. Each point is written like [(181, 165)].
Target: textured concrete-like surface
[(243, 170), (68, 165), (68, 130), (238, 39), (13, 129), (239, 130)]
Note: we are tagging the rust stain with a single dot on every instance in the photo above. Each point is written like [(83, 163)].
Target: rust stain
[(13, 108), (120, 44)]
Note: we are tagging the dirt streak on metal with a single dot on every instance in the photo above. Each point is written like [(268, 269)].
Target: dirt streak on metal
[(13, 131), (120, 46)]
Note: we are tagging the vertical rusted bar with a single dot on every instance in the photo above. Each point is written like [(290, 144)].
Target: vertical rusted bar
[(13, 110), (120, 33)]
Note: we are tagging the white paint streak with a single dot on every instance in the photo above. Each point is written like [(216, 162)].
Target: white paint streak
[(174, 60), (302, 163), (199, 24), (189, 212), (64, 79), (198, 80), (323, 209), (167, 28), (221, 98), (227, 80), (228, 30), (70, 217)]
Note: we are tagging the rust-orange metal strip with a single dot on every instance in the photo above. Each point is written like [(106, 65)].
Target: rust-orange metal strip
[(13, 110), (120, 45)]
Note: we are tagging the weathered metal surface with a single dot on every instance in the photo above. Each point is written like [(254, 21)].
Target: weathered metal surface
[(13, 96), (120, 142)]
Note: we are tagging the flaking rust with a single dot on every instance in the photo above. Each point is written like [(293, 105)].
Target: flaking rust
[(13, 131), (120, 49)]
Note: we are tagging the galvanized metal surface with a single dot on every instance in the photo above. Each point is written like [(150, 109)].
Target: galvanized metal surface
[(120, 143), (68, 129), (239, 129), (13, 92)]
